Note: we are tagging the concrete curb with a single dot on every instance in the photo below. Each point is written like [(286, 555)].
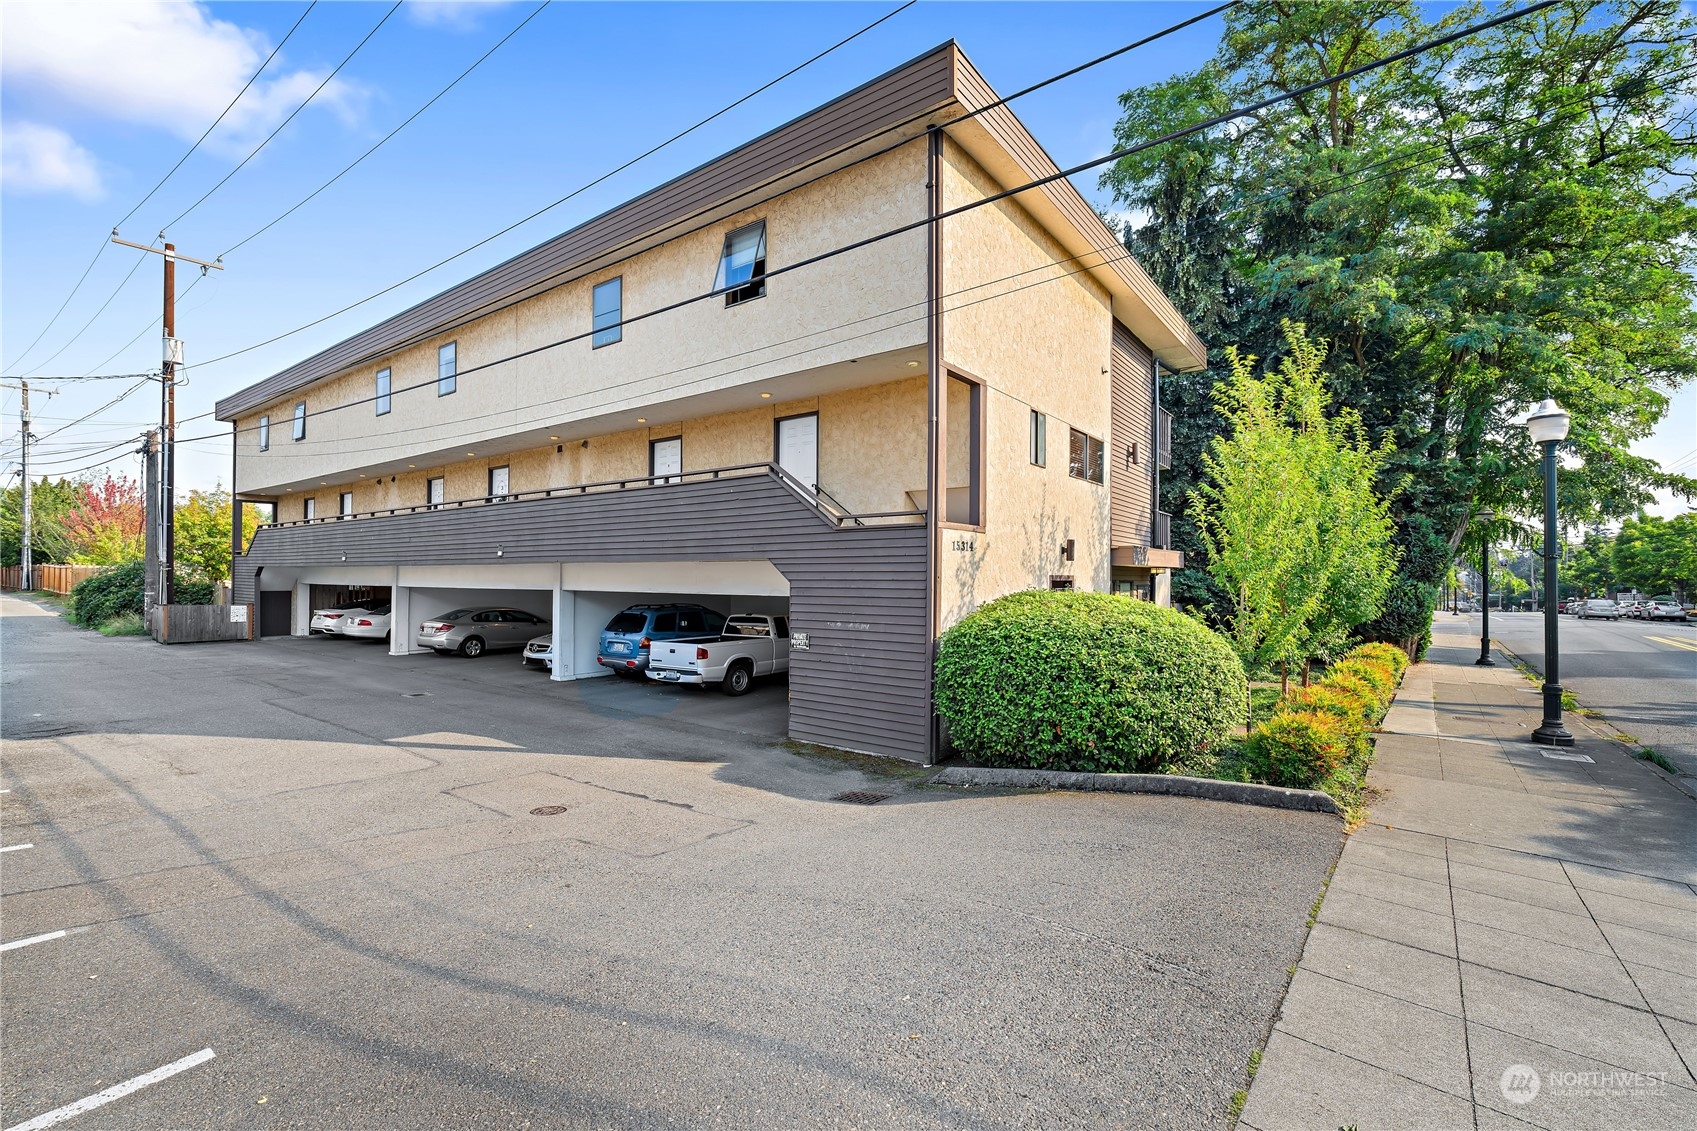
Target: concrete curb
[(1238, 793)]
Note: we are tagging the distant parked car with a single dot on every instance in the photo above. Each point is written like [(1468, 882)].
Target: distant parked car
[(1599, 608), (749, 646), (1666, 608), (626, 639), (1561, 606), (472, 632), (329, 620), (369, 624), (540, 651)]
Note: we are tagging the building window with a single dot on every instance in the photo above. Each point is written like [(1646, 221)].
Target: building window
[(265, 433), (742, 265), (345, 505), (1084, 457), (666, 460), (500, 483), (435, 490), (447, 366), (309, 508), (382, 392), (963, 452), (1061, 581), (607, 303), (300, 421), (1039, 439)]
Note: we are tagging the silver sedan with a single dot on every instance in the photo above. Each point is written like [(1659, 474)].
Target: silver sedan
[(472, 632)]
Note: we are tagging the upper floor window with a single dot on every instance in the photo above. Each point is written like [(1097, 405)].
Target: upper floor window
[(500, 483), (300, 421), (345, 505), (608, 305), (742, 265), (447, 366), (1084, 457), (309, 508), (1039, 439), (435, 490), (382, 392), (265, 433)]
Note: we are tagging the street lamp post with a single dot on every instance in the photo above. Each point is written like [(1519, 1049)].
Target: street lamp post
[(1548, 426), (1484, 660)]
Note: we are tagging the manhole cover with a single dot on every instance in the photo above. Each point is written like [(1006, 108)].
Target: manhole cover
[(862, 797), (547, 810)]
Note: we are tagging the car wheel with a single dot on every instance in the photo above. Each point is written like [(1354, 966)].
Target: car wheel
[(471, 647), (737, 681)]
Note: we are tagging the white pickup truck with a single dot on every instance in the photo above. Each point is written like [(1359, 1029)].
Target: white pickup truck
[(749, 646)]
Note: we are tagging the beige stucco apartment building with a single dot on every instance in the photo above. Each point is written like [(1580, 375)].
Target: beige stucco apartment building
[(702, 396)]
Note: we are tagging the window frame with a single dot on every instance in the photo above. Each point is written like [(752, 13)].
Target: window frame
[(265, 432), (504, 495), (383, 382), (1039, 439), (344, 504), (298, 432), (654, 450), (448, 383), (1095, 458), (432, 482), (309, 508), (755, 285), (609, 335)]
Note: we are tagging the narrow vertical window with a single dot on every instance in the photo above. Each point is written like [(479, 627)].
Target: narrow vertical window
[(345, 505), (742, 264), (447, 366), (382, 392), (608, 310), (500, 483), (300, 421), (1039, 439), (265, 433), (1085, 457), (435, 490), (309, 509)]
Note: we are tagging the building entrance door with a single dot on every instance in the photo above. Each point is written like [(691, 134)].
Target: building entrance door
[(798, 448)]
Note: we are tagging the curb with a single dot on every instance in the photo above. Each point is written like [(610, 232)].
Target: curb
[(1239, 793)]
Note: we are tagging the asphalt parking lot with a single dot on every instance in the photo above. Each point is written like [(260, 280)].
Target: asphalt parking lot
[(323, 864)]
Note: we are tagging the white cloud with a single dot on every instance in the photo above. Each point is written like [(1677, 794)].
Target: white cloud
[(460, 15), (41, 159), (157, 63)]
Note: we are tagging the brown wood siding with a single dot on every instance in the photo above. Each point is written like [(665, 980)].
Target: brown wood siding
[(912, 90), (859, 592), (1131, 489)]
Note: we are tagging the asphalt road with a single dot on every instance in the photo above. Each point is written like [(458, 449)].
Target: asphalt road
[(1642, 675), (320, 863)]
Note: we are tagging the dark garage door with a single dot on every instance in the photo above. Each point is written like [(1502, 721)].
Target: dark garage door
[(274, 612)]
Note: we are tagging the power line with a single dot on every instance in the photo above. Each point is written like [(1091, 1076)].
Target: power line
[(555, 204), (101, 409), (893, 128), (996, 197), (122, 283), (192, 285), (102, 248), (225, 178)]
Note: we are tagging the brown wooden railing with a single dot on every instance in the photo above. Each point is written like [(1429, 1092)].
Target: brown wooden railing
[(810, 496)]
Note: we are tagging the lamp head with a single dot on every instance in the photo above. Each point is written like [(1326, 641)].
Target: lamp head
[(1548, 422)]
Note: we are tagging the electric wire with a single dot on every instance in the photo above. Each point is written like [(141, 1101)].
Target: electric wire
[(555, 204), (281, 126), (141, 257), (991, 198)]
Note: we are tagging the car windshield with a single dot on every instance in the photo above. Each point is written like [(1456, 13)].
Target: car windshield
[(628, 622), (457, 614)]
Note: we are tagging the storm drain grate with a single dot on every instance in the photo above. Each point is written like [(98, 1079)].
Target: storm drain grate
[(862, 797), (547, 810)]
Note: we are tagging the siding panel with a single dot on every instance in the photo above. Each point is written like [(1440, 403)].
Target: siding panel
[(859, 592), (1131, 486)]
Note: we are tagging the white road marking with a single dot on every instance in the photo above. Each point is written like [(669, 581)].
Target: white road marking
[(33, 939), (116, 1091), (16, 847)]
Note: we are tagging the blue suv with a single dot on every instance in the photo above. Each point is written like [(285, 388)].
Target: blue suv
[(625, 640)]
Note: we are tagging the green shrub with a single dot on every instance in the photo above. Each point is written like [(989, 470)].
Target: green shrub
[(1085, 681), (108, 594), (1388, 654), (1380, 676), (188, 591), (1365, 694), (1297, 749), (1346, 708), (125, 624)]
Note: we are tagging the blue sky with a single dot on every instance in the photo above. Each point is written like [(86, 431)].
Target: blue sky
[(99, 100)]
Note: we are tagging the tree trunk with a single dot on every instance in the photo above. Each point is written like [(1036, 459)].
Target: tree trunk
[(1307, 667), (1284, 678)]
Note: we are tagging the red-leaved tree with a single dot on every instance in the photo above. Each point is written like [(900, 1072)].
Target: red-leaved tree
[(106, 522)]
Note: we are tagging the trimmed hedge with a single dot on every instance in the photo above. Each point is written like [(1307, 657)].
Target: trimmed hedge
[(120, 590), (1091, 682), (1319, 729)]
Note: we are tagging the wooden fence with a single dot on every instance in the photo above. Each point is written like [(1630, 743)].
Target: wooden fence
[(195, 624), (48, 578)]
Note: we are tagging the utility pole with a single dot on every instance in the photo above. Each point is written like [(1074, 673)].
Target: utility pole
[(150, 486), (172, 357), (27, 566)]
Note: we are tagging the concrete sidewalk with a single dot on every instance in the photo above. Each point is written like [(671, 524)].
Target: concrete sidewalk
[(1511, 942)]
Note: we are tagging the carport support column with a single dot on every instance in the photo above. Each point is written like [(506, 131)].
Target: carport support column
[(301, 623), (401, 626), (565, 634)]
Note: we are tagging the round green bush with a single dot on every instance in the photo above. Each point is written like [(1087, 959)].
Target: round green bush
[(1380, 675), (1085, 681), (110, 593), (1388, 654), (1297, 749)]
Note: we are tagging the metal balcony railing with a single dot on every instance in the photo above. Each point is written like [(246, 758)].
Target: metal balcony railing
[(1162, 536), (1163, 439)]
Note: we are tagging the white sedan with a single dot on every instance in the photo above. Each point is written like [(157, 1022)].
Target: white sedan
[(329, 621), (371, 624), (540, 651)]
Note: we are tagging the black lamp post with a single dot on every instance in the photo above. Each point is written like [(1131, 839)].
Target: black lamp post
[(1484, 660), (1548, 425)]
